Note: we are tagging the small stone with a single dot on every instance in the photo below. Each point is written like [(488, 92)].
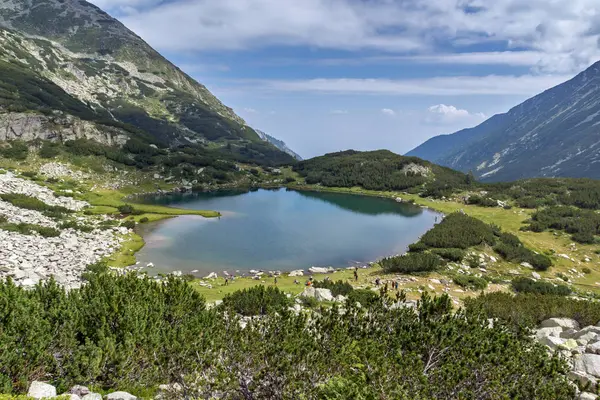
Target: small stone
[(79, 390)]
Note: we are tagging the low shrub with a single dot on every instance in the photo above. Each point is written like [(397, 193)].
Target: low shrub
[(32, 203), (16, 150), (527, 285), (144, 220), (417, 247), (530, 309), (128, 224), (458, 230), (257, 300), (337, 288), (365, 297), (455, 255), (470, 282), (586, 270), (411, 263)]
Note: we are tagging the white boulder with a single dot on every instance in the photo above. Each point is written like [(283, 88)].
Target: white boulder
[(212, 275), (41, 390), (323, 295), (588, 363), (120, 396), (565, 323), (297, 272), (320, 270)]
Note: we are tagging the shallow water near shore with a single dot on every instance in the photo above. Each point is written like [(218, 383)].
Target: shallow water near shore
[(278, 230)]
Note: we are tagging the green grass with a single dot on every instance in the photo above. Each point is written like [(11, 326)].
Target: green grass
[(125, 256)]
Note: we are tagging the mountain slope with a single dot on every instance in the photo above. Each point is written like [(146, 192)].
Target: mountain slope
[(110, 70), (280, 144), (556, 133)]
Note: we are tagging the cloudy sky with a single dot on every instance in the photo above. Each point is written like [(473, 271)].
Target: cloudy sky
[(327, 75)]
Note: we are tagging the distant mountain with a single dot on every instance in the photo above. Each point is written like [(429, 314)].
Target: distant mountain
[(81, 52), (280, 144), (556, 133)]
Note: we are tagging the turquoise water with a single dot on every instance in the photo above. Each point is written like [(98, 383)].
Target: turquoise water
[(279, 230)]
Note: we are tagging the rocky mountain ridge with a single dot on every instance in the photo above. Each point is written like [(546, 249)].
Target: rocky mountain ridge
[(280, 144), (554, 134), (109, 69)]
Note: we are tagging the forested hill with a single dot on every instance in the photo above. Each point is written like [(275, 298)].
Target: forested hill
[(380, 170)]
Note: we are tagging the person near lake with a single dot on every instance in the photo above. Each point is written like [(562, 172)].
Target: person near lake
[(356, 274), (226, 281), (275, 280), (377, 281)]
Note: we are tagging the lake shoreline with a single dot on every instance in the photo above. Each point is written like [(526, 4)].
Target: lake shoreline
[(222, 270)]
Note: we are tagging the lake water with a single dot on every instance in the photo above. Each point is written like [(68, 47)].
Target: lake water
[(279, 230)]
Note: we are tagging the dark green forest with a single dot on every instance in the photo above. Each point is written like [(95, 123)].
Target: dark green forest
[(379, 170)]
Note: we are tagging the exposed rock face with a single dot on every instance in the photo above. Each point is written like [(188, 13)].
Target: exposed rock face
[(29, 127)]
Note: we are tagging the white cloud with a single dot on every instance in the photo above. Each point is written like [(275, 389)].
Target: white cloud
[(563, 33), (436, 86), (250, 110), (388, 111), (338, 112), (448, 114)]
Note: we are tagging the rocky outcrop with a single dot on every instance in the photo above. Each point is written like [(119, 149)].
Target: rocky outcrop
[(580, 347), (30, 126), (29, 259)]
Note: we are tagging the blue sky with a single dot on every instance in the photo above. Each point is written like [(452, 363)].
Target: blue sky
[(328, 75)]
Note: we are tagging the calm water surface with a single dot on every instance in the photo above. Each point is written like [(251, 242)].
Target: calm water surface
[(279, 230)]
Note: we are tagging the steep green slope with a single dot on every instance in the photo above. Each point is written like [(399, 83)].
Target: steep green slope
[(96, 60), (379, 170)]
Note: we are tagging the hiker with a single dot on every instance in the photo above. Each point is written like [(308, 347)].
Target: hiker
[(356, 275), (397, 284), (377, 281), (226, 281), (275, 280), (296, 282)]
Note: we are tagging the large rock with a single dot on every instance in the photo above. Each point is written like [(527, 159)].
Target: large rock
[(583, 379), (297, 272), (212, 275), (593, 348), (323, 295), (41, 390), (553, 342), (308, 292), (587, 396), (320, 270), (565, 323), (120, 396), (588, 364), (543, 332)]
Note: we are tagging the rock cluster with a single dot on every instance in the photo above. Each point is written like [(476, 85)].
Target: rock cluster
[(28, 259), (58, 170), (41, 390), (579, 346), (9, 183)]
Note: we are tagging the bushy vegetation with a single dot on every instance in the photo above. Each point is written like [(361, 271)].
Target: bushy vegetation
[(470, 282), (482, 201), (27, 229), (454, 255), (411, 263), (510, 248), (530, 309), (337, 288), (459, 230), (164, 333), (584, 225), (32, 203), (365, 297), (540, 192), (376, 170), (257, 300), (15, 150), (527, 285)]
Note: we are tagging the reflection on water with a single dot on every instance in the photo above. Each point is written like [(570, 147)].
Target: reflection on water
[(279, 230)]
